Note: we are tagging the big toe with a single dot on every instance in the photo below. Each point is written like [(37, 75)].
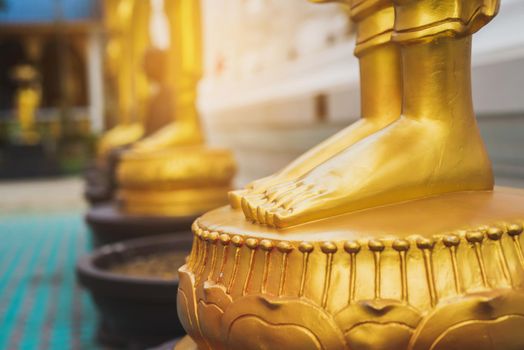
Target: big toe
[(235, 198)]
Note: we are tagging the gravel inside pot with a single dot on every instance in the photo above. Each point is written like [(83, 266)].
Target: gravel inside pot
[(162, 265), (143, 269)]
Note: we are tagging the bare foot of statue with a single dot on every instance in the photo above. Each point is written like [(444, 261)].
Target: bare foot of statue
[(434, 148), (120, 135), (380, 105), (171, 135)]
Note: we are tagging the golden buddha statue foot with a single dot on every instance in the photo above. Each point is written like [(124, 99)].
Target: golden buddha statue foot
[(120, 135), (446, 152), (366, 175)]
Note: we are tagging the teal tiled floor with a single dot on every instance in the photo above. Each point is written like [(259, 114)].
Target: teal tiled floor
[(41, 305)]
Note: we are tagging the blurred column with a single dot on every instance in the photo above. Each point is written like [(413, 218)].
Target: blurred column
[(95, 80)]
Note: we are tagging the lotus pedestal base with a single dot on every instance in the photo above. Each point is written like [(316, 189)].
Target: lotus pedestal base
[(439, 273)]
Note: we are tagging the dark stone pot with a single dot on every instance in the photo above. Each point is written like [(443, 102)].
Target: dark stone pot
[(135, 312), (108, 224)]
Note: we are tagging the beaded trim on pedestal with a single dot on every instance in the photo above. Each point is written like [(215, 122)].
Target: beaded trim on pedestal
[(211, 250)]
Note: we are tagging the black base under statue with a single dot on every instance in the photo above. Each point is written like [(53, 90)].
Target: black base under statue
[(99, 184), (100, 177), (109, 225), (27, 161)]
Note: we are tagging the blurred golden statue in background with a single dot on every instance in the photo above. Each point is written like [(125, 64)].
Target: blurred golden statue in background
[(126, 23), (127, 90), (28, 98), (185, 74), (172, 172), (153, 65), (388, 235)]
